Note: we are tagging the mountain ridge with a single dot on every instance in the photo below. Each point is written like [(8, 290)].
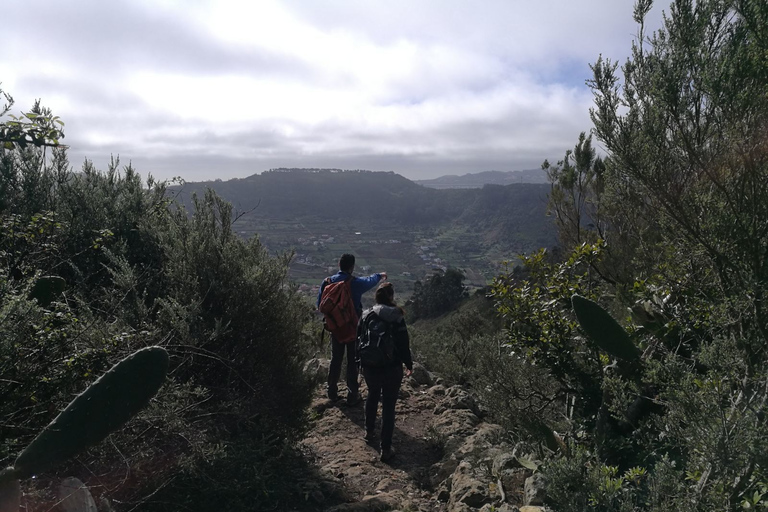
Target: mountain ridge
[(480, 179), (389, 222)]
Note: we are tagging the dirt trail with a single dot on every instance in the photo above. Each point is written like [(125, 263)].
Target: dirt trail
[(365, 483)]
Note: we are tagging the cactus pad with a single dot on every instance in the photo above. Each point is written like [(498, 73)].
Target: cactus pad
[(98, 411), (74, 496), (603, 329), (10, 492)]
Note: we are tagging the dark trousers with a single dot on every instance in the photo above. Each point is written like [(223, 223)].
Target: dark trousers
[(337, 355), (384, 384)]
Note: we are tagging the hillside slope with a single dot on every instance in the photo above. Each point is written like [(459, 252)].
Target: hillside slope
[(480, 179), (504, 215)]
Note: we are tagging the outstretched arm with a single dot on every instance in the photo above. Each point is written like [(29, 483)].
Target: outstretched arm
[(363, 284)]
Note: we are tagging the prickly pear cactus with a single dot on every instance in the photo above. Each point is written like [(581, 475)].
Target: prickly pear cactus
[(74, 496), (603, 329), (98, 411), (10, 491)]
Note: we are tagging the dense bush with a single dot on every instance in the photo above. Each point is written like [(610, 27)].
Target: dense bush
[(140, 270), (449, 346), (520, 396), (680, 205), (437, 294)]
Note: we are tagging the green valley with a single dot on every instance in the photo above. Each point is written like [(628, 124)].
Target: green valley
[(390, 223)]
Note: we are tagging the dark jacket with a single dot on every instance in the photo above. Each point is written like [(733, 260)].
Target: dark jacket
[(393, 315)]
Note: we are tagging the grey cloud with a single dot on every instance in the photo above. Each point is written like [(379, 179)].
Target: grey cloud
[(480, 79), (468, 143), (117, 36), (542, 32)]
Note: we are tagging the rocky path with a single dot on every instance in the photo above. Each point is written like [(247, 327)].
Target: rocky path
[(447, 458), (336, 442)]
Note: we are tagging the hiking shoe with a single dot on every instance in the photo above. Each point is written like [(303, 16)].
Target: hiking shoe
[(370, 436), (353, 399), (333, 396), (387, 454)]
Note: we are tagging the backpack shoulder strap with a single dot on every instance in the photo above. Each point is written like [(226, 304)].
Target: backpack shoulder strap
[(368, 317), (363, 323)]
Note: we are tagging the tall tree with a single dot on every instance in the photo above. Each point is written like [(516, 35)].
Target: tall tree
[(684, 205), (686, 133)]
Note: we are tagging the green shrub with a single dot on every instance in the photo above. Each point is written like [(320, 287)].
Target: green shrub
[(451, 345), (440, 293), (258, 474), (138, 270), (540, 327), (518, 395)]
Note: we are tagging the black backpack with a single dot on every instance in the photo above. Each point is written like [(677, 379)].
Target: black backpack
[(375, 342)]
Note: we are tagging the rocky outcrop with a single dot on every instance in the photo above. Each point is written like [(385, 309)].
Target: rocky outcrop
[(535, 489), (448, 458), (421, 376), (480, 469)]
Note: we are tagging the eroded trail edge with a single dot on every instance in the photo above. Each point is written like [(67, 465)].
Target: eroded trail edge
[(447, 458)]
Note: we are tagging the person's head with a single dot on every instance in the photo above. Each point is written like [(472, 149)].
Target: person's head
[(347, 263), (385, 294)]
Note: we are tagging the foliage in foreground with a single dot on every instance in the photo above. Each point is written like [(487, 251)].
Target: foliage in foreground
[(138, 270), (680, 209)]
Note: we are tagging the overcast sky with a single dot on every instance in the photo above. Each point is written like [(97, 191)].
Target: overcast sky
[(223, 89)]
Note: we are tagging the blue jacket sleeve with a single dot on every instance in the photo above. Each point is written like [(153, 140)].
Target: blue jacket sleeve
[(360, 285)]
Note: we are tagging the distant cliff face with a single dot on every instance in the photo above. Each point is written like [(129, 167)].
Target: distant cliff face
[(480, 179), (496, 213), (322, 193)]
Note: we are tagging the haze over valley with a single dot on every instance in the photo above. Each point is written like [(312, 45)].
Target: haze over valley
[(389, 222)]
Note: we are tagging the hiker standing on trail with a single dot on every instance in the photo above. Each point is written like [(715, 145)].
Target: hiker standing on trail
[(343, 337), (384, 348)]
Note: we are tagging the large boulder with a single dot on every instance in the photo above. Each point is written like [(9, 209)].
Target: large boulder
[(454, 427), (535, 489), (467, 489), (457, 398), (502, 462), (437, 390), (488, 438), (441, 472), (421, 375)]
